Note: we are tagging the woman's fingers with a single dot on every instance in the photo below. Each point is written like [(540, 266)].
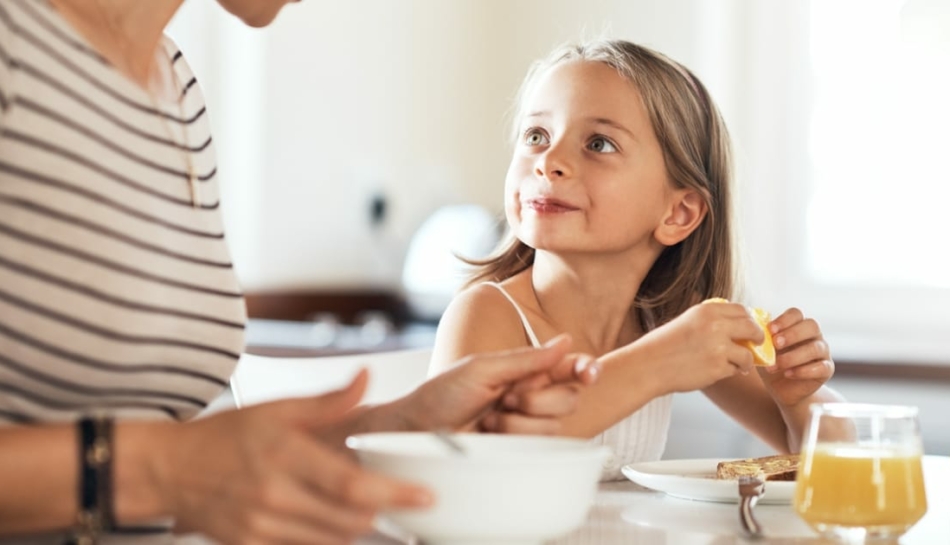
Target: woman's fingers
[(576, 367), (341, 479), (315, 494), (277, 527), (317, 411), (264, 469), (315, 510), (501, 369)]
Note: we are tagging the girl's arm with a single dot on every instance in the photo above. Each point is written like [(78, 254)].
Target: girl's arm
[(746, 400), (687, 354), (773, 403)]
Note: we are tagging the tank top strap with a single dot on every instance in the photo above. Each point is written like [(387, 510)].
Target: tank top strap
[(524, 319)]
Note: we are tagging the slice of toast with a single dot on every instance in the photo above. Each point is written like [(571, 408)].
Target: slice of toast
[(780, 467)]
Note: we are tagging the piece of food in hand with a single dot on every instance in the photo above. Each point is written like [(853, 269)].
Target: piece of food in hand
[(780, 467), (764, 353)]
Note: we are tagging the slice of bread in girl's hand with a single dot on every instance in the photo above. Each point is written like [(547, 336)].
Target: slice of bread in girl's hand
[(781, 467)]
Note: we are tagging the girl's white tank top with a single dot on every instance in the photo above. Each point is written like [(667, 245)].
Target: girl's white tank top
[(640, 437)]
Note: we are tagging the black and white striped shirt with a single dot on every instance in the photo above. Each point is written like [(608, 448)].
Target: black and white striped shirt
[(116, 294)]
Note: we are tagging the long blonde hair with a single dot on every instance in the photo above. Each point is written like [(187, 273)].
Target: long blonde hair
[(696, 150)]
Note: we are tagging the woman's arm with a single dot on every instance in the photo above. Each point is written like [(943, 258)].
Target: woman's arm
[(461, 396), (39, 467), (258, 474)]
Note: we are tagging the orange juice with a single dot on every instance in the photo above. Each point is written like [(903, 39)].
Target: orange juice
[(850, 486)]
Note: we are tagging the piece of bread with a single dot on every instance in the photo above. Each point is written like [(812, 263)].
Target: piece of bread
[(780, 467)]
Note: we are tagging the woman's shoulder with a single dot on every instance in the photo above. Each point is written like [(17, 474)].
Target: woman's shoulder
[(8, 56), (177, 56)]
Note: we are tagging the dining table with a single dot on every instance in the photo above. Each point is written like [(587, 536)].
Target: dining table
[(624, 512)]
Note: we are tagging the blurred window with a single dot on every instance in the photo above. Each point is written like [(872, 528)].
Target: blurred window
[(875, 249)]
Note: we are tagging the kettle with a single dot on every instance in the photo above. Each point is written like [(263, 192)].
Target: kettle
[(432, 272)]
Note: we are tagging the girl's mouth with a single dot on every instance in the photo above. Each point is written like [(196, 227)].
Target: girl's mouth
[(548, 206)]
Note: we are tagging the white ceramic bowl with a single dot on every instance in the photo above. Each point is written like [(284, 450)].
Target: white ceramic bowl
[(506, 489)]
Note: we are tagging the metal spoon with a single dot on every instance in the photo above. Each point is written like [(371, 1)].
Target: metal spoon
[(751, 488), (450, 441)]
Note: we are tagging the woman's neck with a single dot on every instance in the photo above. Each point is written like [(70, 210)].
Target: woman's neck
[(125, 32)]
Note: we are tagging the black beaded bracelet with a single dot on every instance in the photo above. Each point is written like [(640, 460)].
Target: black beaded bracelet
[(95, 479)]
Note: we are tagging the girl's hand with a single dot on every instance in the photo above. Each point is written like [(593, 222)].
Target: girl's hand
[(537, 403), (701, 346), (803, 362), (261, 475), (542, 382)]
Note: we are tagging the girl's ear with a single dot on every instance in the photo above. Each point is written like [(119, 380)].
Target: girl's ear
[(687, 211)]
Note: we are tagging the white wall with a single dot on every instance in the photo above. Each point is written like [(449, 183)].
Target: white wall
[(700, 430), (341, 100)]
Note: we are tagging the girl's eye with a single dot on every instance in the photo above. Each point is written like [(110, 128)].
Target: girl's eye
[(601, 145), (535, 138)]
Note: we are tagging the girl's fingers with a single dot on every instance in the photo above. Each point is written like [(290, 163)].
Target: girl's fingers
[(817, 370), (536, 382), (786, 320), (558, 400), (741, 358), (801, 332), (745, 328), (802, 353), (506, 422)]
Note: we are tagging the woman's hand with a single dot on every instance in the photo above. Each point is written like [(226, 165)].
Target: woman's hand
[(260, 475), (701, 346), (803, 361), (541, 384)]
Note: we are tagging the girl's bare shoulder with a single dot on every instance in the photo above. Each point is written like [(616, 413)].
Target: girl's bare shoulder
[(484, 303), (479, 319)]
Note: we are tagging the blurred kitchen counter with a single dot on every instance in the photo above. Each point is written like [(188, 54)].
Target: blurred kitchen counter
[(308, 323), (328, 337)]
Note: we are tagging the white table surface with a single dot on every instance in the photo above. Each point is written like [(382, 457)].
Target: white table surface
[(625, 513)]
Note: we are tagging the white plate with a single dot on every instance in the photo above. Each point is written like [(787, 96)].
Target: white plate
[(696, 480)]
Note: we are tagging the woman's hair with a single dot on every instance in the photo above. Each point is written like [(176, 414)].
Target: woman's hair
[(697, 155)]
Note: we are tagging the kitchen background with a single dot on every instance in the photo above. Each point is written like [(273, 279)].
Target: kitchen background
[(347, 124)]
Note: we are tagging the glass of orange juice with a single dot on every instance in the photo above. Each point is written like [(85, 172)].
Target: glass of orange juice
[(860, 477)]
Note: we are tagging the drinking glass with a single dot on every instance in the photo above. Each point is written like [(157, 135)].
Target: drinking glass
[(860, 477)]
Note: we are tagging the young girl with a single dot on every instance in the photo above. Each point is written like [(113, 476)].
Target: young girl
[(618, 203)]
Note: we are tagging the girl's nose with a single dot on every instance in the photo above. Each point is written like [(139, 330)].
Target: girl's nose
[(553, 164)]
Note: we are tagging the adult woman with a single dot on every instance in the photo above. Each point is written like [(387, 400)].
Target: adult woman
[(117, 297)]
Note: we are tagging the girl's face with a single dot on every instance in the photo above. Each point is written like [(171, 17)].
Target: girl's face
[(588, 173), (255, 13)]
